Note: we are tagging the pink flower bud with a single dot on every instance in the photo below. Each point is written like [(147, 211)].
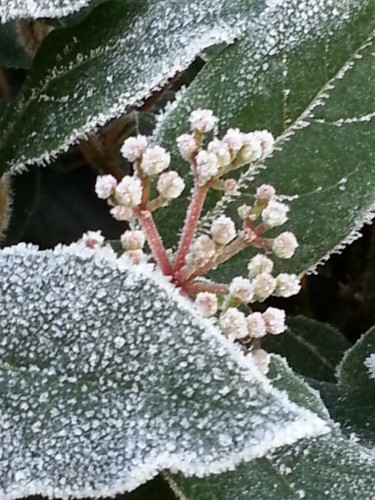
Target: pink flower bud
[(256, 326), (244, 211), (234, 140), (264, 285), (275, 320), (202, 250), (136, 256), (134, 147), (241, 289), (202, 120), (170, 185), (155, 160), (285, 245), (262, 360), (93, 239), (207, 167), (233, 323), (266, 140), (264, 193), (251, 148), (221, 150), (187, 146), (129, 192), (223, 230), (259, 264), (206, 302), (230, 186), (133, 240), (121, 213), (287, 285), (105, 186), (275, 214)]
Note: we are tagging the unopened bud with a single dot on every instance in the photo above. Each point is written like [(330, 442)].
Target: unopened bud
[(187, 146), (223, 230), (121, 213), (262, 360), (155, 160), (136, 256), (202, 250), (206, 302), (256, 326), (248, 235), (233, 323), (129, 191), (266, 140), (285, 245), (275, 320), (221, 150), (93, 239), (241, 289), (234, 140), (134, 147), (207, 167), (202, 120), (259, 264), (264, 285), (287, 285), (230, 186), (105, 186), (170, 185), (244, 212), (275, 214), (251, 148), (265, 193), (133, 240)]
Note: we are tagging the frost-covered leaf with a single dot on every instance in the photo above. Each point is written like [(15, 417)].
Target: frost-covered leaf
[(331, 467), (306, 74), (32, 9), (352, 370), (87, 74), (313, 349), (107, 375)]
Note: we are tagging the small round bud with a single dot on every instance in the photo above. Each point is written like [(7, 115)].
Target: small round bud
[(259, 264), (262, 360), (223, 230), (234, 140), (256, 326), (121, 213), (241, 289), (206, 302), (93, 239), (248, 235), (105, 186), (207, 167), (275, 214), (264, 285), (251, 148), (233, 323), (136, 256), (170, 185), (266, 140), (244, 212), (265, 193), (201, 250), (221, 150), (133, 240), (230, 186), (187, 146), (287, 285), (129, 192), (155, 160), (275, 320), (134, 147), (202, 120), (285, 245)]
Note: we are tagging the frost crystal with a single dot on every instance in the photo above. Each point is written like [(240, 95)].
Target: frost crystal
[(108, 376), (370, 365)]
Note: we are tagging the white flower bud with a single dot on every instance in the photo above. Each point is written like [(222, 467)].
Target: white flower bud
[(230, 186), (119, 212), (233, 323), (234, 139), (265, 192), (155, 160), (93, 239), (170, 185), (251, 148), (244, 211), (187, 146), (248, 235), (259, 264), (221, 150), (266, 140), (134, 147), (241, 289), (223, 230), (133, 240), (275, 214), (202, 120), (129, 192), (207, 166), (264, 285), (285, 245), (136, 256), (262, 360), (105, 186), (256, 326), (206, 303), (275, 320), (201, 251), (287, 285)]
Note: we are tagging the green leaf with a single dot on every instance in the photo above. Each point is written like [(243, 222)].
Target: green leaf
[(32, 9), (12, 54), (108, 375), (305, 73), (85, 75), (331, 466), (313, 349), (352, 370)]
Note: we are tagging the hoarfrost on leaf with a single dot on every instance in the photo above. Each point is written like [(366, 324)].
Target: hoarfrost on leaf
[(107, 376), (32, 9)]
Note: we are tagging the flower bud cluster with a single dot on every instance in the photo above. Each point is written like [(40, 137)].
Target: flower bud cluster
[(235, 324)]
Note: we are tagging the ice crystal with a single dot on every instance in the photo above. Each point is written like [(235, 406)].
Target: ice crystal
[(11, 9), (107, 376)]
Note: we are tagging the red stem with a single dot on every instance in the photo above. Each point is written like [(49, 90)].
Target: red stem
[(201, 286)]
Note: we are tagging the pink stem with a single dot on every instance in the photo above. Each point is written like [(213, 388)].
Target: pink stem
[(201, 286), (192, 217)]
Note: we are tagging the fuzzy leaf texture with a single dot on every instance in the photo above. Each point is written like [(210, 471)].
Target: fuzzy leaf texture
[(332, 466), (85, 75), (305, 73), (32, 9), (107, 376)]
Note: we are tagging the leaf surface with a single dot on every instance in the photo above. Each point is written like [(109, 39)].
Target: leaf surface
[(32, 9)]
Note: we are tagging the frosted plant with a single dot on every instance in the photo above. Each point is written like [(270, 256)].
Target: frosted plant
[(370, 365), (211, 160)]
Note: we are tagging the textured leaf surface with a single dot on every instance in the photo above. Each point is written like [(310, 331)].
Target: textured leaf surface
[(15, 9), (305, 73), (331, 467), (85, 75), (313, 349), (107, 376)]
